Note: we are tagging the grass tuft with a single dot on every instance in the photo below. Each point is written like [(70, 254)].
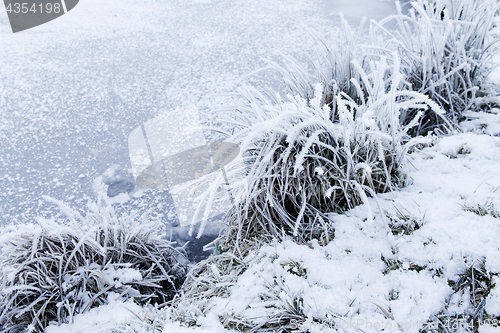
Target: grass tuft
[(488, 208), (51, 272), (447, 54), (307, 160), (403, 222), (465, 308)]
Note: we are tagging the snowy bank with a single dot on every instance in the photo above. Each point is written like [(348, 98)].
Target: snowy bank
[(397, 270)]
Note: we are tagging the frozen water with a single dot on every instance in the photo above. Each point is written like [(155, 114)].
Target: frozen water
[(72, 90), (119, 186)]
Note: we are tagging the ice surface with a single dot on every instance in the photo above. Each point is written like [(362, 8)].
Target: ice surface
[(74, 89)]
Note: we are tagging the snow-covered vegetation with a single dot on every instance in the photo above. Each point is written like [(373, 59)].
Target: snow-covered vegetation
[(446, 51), (308, 160), (428, 254), (51, 271), (372, 203)]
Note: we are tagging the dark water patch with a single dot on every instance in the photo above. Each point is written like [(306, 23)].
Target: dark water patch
[(194, 248)]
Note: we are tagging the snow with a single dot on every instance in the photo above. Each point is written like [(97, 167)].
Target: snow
[(347, 275), (122, 275), (493, 303), (113, 315)]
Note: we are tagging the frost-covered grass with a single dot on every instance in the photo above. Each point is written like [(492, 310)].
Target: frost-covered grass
[(340, 136), (372, 273), (307, 160), (51, 272), (446, 48)]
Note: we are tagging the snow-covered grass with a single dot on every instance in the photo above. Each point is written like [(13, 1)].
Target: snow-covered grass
[(437, 266), (446, 48), (307, 160), (420, 258), (51, 272)]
